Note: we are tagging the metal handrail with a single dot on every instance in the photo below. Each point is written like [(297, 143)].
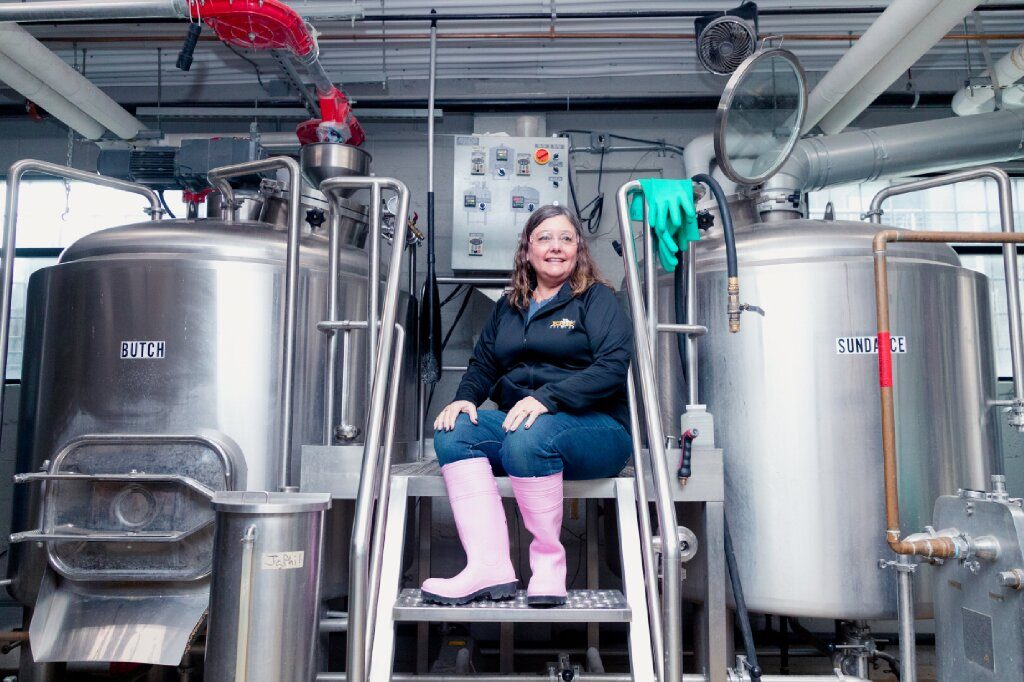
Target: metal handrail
[(359, 553), (14, 177), (646, 532), (1009, 262), (384, 493), (671, 604), (218, 177)]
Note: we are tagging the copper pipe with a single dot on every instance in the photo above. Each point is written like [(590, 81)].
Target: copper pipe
[(939, 547)]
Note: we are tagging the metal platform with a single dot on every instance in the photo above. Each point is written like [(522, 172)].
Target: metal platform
[(582, 606), (335, 470)]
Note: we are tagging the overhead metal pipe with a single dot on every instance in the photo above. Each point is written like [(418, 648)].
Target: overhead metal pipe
[(89, 10), (907, 149), (839, 9)]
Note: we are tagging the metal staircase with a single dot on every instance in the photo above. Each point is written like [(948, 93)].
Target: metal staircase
[(650, 600)]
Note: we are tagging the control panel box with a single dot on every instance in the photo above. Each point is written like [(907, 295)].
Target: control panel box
[(499, 181)]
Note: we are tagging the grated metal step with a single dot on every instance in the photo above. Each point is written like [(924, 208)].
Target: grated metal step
[(582, 606)]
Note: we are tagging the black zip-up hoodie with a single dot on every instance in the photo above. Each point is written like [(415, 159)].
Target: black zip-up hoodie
[(572, 355)]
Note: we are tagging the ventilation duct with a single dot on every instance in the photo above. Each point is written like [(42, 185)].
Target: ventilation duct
[(908, 149)]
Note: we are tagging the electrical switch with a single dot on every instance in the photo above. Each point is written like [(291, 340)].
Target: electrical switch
[(476, 243), (542, 156)]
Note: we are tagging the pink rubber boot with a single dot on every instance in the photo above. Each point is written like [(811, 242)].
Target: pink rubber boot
[(483, 531), (540, 501)]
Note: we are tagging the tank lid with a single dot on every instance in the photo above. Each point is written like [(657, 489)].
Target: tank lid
[(816, 240), (260, 502), (208, 238)]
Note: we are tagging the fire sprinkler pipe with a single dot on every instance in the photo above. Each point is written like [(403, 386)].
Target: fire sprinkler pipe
[(934, 545)]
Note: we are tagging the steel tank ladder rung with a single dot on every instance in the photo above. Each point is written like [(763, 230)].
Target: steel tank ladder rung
[(583, 606)]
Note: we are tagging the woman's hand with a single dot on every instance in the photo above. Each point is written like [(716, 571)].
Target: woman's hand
[(529, 408), (446, 418)]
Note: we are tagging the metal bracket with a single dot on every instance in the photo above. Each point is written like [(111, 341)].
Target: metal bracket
[(901, 565), (873, 213)]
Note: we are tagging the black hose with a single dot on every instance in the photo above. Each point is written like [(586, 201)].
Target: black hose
[(163, 202), (188, 48), (679, 284), (741, 606), (723, 210)]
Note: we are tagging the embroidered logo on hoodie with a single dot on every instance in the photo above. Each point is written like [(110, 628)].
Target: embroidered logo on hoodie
[(564, 323)]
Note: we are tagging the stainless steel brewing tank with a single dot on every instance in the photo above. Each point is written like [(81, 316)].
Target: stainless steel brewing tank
[(797, 414), (210, 294)]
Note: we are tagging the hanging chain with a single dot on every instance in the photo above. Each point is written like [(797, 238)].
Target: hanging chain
[(71, 150)]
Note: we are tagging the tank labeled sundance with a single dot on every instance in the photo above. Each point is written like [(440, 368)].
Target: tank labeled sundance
[(795, 400)]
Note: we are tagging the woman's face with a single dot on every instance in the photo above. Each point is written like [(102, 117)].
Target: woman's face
[(552, 253)]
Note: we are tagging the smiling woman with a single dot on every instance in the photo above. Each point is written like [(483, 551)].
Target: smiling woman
[(553, 357)]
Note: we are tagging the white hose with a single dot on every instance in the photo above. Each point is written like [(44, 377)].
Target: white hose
[(18, 45)]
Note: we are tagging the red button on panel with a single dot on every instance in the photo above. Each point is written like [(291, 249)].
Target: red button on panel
[(542, 156)]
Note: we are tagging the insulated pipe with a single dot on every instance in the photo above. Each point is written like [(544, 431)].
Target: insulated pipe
[(903, 55), (931, 545), (17, 44), (39, 92), (14, 177), (890, 28), (218, 177), (925, 147), (981, 98), (698, 154)]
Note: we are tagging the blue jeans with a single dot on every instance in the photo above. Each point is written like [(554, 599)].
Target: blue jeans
[(583, 446)]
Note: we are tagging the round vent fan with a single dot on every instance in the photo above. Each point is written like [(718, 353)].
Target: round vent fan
[(724, 43)]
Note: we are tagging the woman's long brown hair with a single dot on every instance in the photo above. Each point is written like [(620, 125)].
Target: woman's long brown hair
[(524, 279)]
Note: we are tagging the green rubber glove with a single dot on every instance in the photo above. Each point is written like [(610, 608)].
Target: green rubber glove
[(671, 214)]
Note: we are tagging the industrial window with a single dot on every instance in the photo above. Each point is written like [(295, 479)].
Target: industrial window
[(49, 219), (968, 206)]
